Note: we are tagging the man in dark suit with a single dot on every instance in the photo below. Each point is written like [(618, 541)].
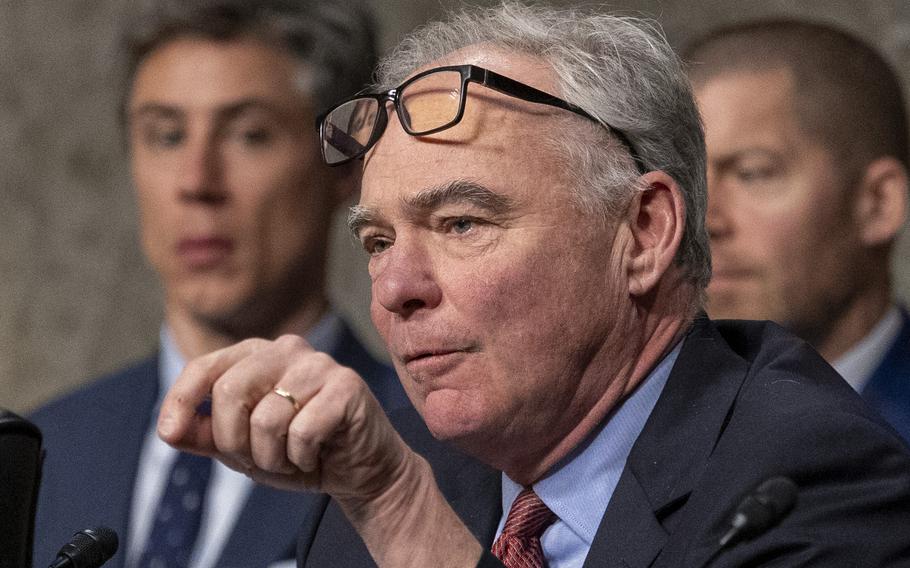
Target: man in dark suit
[(798, 114), (533, 205), (219, 105)]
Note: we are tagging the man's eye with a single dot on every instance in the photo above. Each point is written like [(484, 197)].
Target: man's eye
[(256, 136), (460, 225), (755, 172), (374, 246), (249, 135), (163, 137)]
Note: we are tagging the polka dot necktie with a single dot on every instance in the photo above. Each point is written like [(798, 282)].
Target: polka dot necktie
[(518, 546), (176, 523)]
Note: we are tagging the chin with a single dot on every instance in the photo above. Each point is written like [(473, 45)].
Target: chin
[(726, 305), (451, 416)]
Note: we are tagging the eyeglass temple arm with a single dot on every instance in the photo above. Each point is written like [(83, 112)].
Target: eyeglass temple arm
[(512, 87)]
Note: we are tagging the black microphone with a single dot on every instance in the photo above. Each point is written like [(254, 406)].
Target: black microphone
[(759, 511), (764, 507), (20, 477), (88, 549)]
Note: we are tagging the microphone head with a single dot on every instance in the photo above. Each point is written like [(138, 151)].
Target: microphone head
[(760, 510), (90, 548), (776, 496)]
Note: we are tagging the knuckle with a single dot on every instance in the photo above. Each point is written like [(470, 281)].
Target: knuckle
[(300, 434), (252, 344), (323, 360), (345, 383), (310, 365), (197, 366), (225, 390), (231, 447), (265, 422), (291, 342)]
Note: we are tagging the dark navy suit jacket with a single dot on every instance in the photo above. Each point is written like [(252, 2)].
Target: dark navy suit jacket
[(745, 401), (93, 438), (888, 391)]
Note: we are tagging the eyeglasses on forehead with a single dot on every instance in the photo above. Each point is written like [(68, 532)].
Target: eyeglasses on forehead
[(428, 102)]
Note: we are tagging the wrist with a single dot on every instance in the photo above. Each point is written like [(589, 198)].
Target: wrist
[(410, 523)]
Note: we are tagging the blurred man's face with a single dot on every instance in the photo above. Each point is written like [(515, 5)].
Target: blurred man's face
[(783, 240), (234, 200), (494, 294)]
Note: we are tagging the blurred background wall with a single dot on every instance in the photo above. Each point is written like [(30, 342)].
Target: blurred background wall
[(76, 298)]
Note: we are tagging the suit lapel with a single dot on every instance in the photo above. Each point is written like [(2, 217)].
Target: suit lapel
[(670, 454), (481, 509), (125, 411), (629, 534), (266, 530)]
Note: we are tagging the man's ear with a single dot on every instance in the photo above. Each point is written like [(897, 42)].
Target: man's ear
[(880, 208), (657, 216)]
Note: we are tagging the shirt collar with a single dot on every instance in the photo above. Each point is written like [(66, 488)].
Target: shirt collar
[(579, 489), (859, 363)]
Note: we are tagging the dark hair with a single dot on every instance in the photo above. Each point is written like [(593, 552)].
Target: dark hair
[(846, 95), (333, 41)]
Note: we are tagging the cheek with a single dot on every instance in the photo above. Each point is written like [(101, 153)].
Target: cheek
[(522, 305), (279, 214), (778, 229), (157, 224)]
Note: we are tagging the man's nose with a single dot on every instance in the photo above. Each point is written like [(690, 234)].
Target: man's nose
[(404, 280), (201, 173), (717, 220)]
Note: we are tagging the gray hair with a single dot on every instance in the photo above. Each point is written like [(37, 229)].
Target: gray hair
[(334, 42), (620, 70)]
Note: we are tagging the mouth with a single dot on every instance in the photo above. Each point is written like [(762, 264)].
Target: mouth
[(430, 363), (200, 253), (420, 355), (723, 272)]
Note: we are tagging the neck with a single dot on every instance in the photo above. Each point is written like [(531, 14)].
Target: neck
[(854, 322), (196, 336)]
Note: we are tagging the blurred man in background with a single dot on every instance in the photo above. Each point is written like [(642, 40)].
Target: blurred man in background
[(807, 177), (220, 100)]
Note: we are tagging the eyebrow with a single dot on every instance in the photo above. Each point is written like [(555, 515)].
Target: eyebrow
[(229, 111), (460, 191)]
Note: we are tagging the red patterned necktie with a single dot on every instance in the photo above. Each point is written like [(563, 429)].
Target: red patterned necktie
[(519, 544)]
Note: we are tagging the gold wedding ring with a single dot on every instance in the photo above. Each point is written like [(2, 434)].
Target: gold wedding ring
[(287, 396)]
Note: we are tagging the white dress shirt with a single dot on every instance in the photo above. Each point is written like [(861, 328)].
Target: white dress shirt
[(858, 364)]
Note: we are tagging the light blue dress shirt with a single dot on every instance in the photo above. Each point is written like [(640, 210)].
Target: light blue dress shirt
[(580, 487), (228, 490)]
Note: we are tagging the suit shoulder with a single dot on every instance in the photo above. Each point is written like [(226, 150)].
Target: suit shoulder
[(137, 380), (784, 373)]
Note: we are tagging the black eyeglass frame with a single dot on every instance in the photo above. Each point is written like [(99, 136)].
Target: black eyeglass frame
[(469, 73)]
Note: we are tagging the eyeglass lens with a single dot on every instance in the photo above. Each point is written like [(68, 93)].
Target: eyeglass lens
[(348, 128), (428, 103)]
